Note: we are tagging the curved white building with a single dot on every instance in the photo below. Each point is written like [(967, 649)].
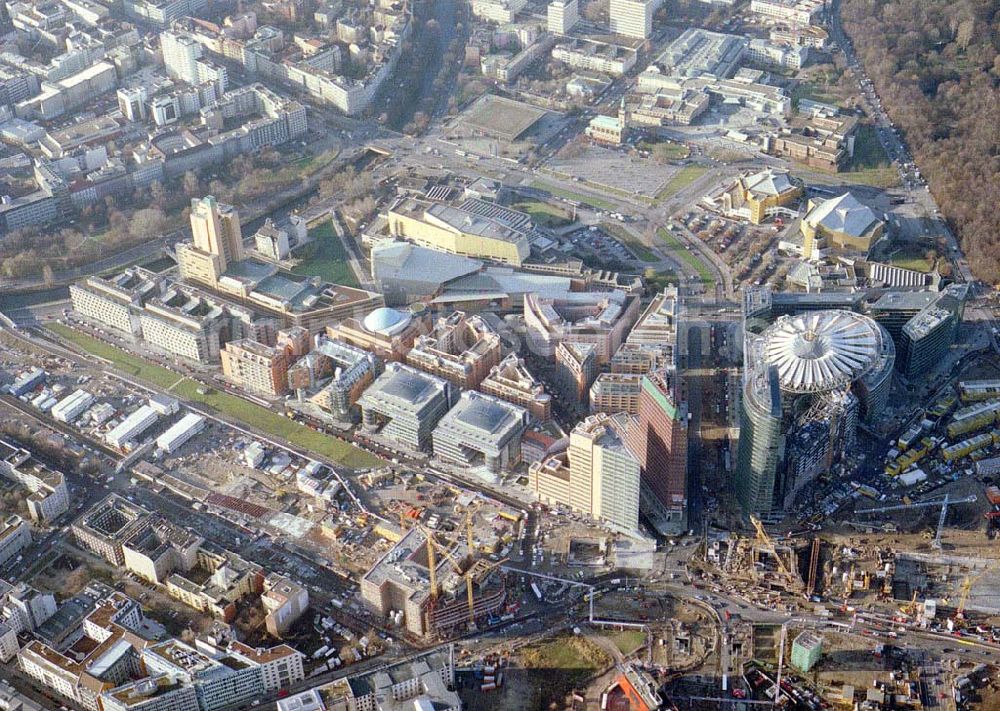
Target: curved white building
[(809, 378)]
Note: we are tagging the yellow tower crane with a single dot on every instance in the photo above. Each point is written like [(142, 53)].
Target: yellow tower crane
[(764, 541)]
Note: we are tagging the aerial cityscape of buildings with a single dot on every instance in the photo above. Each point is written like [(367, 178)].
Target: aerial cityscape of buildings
[(527, 354)]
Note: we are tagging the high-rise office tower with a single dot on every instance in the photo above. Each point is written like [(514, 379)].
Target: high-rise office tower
[(658, 436)]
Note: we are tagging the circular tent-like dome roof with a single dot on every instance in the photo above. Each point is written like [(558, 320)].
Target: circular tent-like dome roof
[(386, 321), (822, 350)]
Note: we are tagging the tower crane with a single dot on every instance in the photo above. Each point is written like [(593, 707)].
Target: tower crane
[(967, 584), (764, 541), (943, 503)]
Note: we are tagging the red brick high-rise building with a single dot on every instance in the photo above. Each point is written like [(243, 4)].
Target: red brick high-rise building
[(658, 436)]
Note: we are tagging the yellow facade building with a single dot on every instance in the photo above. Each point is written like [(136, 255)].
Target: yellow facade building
[(761, 195), (839, 224), (453, 229)]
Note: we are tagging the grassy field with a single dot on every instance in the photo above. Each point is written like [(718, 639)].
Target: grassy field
[(665, 150), (870, 164), (627, 641), (911, 259), (685, 255), (682, 178), (251, 414), (597, 202), (326, 257), (637, 248), (560, 664), (543, 213), (658, 281)]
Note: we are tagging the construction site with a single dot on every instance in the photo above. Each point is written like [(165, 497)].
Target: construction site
[(770, 565), (432, 586)]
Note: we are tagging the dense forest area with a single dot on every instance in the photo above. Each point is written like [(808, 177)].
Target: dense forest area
[(936, 65)]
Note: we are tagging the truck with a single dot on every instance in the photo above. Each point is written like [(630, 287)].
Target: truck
[(537, 591), (993, 495)]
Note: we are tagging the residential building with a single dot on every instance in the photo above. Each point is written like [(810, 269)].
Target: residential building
[(280, 666), (103, 528), (615, 392), (600, 318), (284, 602), (49, 497), (926, 337), (256, 367), (511, 380), (794, 12), (632, 18), (15, 536), (461, 349), (658, 436), (190, 323), (421, 683), (595, 56), (271, 242), (654, 336), (338, 373), (598, 475), (576, 368), (222, 580), (562, 16), (228, 680), (154, 552), (481, 431), (406, 404), (115, 302)]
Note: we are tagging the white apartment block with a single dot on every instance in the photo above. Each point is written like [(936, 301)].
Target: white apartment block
[(595, 57), (280, 666), (15, 536), (500, 11), (49, 497), (562, 16), (761, 51), (796, 12), (632, 18)]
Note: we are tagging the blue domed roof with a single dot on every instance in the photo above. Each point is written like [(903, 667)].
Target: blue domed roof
[(386, 321)]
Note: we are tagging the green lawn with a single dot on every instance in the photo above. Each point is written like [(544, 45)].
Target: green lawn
[(687, 256), (597, 202), (665, 150), (658, 281), (911, 259), (245, 411), (870, 164), (627, 641), (543, 213), (566, 654), (637, 248), (326, 257), (682, 178)]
